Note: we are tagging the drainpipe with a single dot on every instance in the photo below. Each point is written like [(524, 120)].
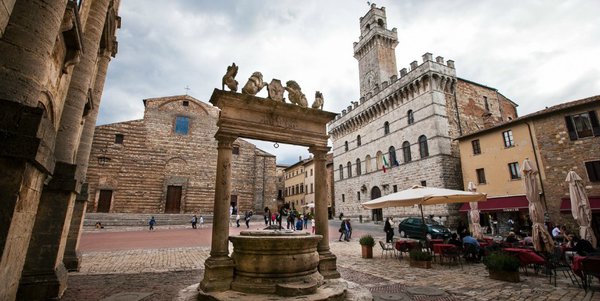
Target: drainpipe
[(537, 164)]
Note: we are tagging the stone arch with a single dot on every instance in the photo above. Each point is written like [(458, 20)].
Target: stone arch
[(368, 165), (378, 161)]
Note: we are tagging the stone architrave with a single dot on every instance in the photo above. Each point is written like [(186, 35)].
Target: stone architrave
[(247, 116)]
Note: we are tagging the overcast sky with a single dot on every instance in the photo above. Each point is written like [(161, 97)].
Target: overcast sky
[(537, 53)]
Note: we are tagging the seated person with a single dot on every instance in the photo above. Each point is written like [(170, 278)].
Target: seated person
[(472, 247), (528, 240), (582, 247), (455, 241), (511, 238)]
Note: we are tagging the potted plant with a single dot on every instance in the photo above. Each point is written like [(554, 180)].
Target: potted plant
[(367, 242), (502, 266), (420, 259)]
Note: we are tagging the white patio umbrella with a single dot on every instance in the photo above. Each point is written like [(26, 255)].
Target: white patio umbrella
[(541, 238), (580, 207), (474, 214), (419, 195)]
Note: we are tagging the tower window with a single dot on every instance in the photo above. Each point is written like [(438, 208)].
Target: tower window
[(186, 103), (386, 128), (119, 138), (380, 22)]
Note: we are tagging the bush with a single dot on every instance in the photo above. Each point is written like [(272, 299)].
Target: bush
[(366, 240), (419, 255), (501, 261)]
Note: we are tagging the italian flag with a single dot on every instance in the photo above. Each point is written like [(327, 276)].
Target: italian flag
[(385, 163)]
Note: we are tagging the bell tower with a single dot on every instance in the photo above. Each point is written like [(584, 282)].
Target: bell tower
[(375, 50)]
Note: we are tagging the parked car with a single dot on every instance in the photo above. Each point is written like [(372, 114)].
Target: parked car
[(413, 227)]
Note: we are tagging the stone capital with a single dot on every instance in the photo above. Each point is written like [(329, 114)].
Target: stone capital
[(225, 141), (319, 152)]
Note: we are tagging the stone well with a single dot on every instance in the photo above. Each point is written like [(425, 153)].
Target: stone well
[(276, 262)]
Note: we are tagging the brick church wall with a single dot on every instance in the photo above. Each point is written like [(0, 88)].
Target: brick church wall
[(152, 157)]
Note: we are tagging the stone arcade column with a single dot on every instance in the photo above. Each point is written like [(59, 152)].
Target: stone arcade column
[(27, 137), (327, 260), (218, 268), (72, 258), (44, 274)]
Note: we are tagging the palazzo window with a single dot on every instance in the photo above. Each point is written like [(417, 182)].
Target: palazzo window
[(582, 125), (593, 170), (476, 147), (507, 136), (513, 168)]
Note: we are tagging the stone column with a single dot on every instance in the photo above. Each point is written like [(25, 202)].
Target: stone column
[(218, 268), (44, 274), (26, 45), (67, 140), (72, 257), (327, 260)]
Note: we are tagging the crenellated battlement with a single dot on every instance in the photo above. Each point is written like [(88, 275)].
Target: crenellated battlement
[(406, 76)]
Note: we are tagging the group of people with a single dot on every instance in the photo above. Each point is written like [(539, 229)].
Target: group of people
[(345, 230)]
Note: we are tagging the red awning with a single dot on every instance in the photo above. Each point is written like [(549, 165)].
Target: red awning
[(508, 203), (565, 205)]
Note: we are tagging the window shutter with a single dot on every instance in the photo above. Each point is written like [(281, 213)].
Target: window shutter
[(571, 128), (594, 121)]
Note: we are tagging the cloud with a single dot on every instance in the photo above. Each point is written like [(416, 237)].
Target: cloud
[(538, 53)]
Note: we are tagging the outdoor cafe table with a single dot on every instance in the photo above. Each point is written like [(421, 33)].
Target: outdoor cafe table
[(526, 256), (406, 244), (577, 264), (438, 248)]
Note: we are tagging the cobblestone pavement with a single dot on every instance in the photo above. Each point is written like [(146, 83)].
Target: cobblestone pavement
[(163, 272)]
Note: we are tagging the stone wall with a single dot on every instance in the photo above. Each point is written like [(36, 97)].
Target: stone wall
[(152, 157), (559, 154)]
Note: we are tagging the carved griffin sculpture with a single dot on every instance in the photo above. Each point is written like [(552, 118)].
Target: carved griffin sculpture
[(254, 85), (295, 94), (229, 78)]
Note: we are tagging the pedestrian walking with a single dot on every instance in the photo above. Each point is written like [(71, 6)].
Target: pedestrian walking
[(312, 225), (247, 216), (194, 221), (201, 221), (151, 223), (237, 220)]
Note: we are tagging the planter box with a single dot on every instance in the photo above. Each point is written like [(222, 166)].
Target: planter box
[(367, 251), (509, 276), (420, 264)]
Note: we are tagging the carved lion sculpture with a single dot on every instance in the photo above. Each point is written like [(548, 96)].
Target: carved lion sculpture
[(229, 78), (295, 94), (255, 83), (318, 104)]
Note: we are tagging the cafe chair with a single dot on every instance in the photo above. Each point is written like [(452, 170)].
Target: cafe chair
[(554, 263), (590, 267), (451, 255), (386, 248)]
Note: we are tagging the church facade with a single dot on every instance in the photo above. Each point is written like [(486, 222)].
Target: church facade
[(167, 162), (402, 130)]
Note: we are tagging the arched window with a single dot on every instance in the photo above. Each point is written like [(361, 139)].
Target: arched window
[(358, 143), (423, 148), (368, 164), (346, 146), (358, 169), (341, 172), (392, 157), (410, 116), (378, 160), (386, 128), (406, 151), (349, 167)]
